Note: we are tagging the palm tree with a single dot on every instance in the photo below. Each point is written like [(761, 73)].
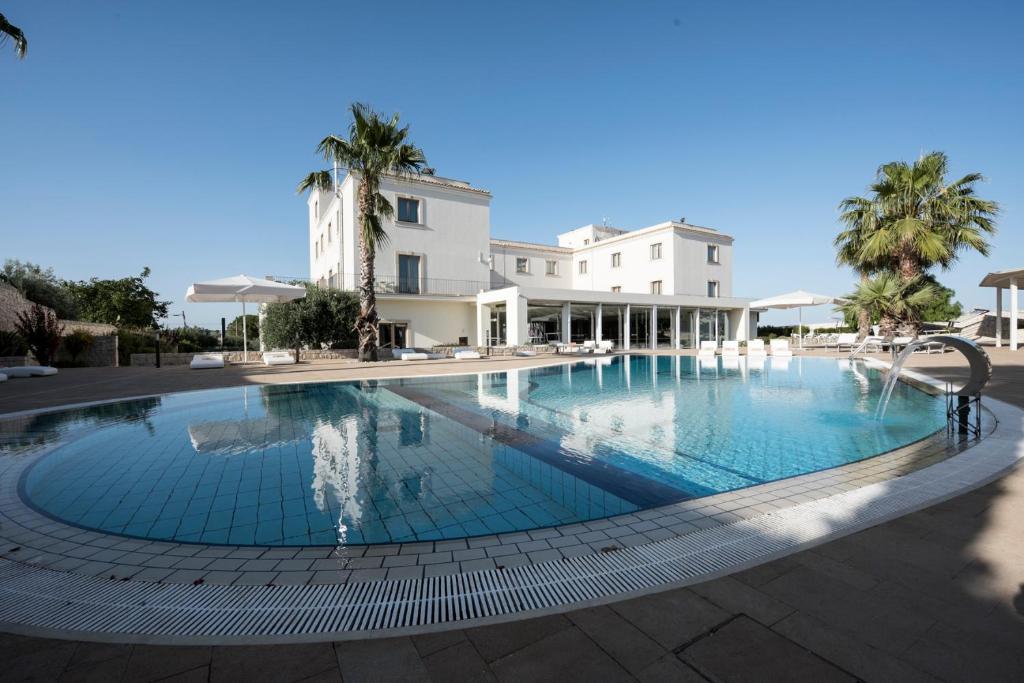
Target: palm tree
[(861, 218), (9, 30), (375, 148), (896, 303), (924, 221)]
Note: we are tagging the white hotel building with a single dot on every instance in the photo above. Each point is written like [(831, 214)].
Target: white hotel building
[(442, 279)]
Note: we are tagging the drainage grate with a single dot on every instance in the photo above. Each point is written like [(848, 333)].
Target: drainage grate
[(52, 601)]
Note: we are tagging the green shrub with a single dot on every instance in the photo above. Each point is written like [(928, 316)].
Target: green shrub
[(77, 343)]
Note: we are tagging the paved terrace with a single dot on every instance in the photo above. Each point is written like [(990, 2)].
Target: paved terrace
[(935, 595)]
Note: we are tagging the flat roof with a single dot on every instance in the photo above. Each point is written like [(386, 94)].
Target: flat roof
[(1001, 278)]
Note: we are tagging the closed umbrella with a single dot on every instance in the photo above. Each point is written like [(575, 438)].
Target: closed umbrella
[(243, 289), (797, 299)]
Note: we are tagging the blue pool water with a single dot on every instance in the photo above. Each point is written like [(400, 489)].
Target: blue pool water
[(449, 457)]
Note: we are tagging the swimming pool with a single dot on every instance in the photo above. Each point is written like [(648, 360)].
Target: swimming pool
[(454, 456)]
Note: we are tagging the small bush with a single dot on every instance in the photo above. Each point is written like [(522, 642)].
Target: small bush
[(77, 343), (41, 331), (12, 344)]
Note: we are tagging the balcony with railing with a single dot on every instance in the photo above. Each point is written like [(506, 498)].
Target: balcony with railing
[(396, 284)]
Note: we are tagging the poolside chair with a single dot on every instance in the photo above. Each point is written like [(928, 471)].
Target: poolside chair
[(708, 348), (847, 339), (730, 349), (604, 346), (204, 361), (589, 346), (278, 358), (525, 352), (414, 355), (397, 353), (755, 347), (898, 343), (780, 348), (29, 371), (466, 353)]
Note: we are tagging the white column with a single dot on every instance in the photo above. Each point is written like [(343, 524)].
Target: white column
[(1013, 314), (626, 329), (482, 320), (566, 322), (696, 329), (653, 344), (999, 316), (598, 322), (677, 329)]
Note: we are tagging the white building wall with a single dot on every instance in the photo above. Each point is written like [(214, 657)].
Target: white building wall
[(503, 273), (637, 269), (692, 269), (431, 323)]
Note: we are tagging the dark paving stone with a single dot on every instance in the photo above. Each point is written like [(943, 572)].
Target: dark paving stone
[(850, 653), (98, 671), (33, 659), (429, 643), (957, 654), (627, 644), (460, 662), (88, 653), (877, 621), (744, 650), (737, 597), (763, 573), (669, 669), (671, 618), (393, 659), (153, 662), (567, 655), (499, 640), (199, 675), (282, 663)]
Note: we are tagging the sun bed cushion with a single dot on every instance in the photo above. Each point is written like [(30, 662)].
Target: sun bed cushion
[(606, 345), (780, 347), (203, 361), (526, 353), (467, 354), (755, 346), (415, 355), (397, 353), (708, 347), (730, 348), (278, 358), (30, 371), (3, 377)]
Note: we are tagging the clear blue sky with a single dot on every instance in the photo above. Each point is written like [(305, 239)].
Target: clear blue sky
[(172, 134)]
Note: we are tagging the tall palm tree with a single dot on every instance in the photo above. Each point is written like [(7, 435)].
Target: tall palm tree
[(376, 147), (861, 218), (896, 303), (923, 219), (12, 32)]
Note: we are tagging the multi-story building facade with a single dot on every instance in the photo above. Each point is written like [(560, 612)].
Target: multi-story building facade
[(442, 279)]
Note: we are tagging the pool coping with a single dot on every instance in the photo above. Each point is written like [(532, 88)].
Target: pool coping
[(450, 569)]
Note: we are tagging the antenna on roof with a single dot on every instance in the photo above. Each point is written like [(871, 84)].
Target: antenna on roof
[(682, 219), (604, 222)]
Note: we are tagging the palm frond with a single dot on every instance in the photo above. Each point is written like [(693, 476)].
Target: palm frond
[(317, 180), (9, 31)]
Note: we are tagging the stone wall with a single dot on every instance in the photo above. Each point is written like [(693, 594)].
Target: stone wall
[(11, 303), (102, 353), (148, 360)]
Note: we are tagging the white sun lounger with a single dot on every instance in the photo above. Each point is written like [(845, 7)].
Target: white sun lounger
[(3, 377), (466, 354), (278, 358), (525, 352), (780, 348), (847, 339), (414, 355), (203, 361), (604, 346), (30, 371), (755, 347), (397, 353), (708, 348), (730, 349)]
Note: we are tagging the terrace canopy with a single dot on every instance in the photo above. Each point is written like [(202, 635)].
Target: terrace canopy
[(243, 289), (798, 300), (1000, 280)]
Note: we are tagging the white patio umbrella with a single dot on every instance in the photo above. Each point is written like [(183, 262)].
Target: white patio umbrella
[(243, 289), (798, 300)]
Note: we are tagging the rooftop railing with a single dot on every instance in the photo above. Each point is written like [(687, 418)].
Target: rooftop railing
[(396, 284)]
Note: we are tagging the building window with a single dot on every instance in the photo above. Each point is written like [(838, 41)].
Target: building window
[(328, 232), (316, 209), (713, 288), (616, 289), (712, 253), (522, 264), (656, 287), (586, 242), (583, 267), (551, 267), (616, 259), (490, 261), (408, 210), (408, 274), (656, 251)]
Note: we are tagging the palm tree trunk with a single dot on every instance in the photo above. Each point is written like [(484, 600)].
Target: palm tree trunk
[(366, 323), (863, 316)]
